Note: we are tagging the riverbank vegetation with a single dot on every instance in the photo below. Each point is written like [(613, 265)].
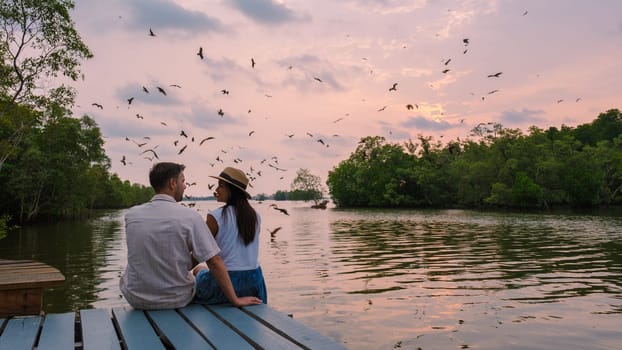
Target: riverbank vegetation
[(495, 167), (51, 164)]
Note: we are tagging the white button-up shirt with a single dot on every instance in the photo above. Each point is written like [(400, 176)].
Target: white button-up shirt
[(161, 236)]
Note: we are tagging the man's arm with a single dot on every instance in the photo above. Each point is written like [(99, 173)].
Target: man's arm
[(219, 271)]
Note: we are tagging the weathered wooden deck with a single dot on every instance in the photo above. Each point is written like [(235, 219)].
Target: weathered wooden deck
[(192, 327)]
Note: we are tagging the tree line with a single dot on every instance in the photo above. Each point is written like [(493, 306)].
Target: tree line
[(495, 167), (51, 164)]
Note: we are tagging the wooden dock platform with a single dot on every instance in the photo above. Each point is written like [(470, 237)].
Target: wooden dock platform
[(192, 327)]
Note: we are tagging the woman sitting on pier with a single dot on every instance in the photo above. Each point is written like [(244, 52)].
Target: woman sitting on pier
[(235, 227)]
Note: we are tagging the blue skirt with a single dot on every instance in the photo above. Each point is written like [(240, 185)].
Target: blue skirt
[(247, 283)]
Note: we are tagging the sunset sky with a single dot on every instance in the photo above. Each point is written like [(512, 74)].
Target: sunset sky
[(324, 71)]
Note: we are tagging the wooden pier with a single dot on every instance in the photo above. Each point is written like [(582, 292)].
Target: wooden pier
[(24, 326), (192, 327)]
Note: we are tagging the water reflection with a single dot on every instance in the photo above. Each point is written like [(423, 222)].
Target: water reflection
[(79, 249), (384, 279)]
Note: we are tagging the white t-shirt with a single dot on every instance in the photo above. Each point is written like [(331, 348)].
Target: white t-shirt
[(161, 235), (236, 255)]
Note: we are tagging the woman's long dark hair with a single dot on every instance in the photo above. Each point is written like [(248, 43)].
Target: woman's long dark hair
[(245, 215)]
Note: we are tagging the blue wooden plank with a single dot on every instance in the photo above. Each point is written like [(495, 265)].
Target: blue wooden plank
[(218, 333), (254, 330), (97, 330), (290, 328), (136, 331), (58, 332), (20, 333), (176, 331)]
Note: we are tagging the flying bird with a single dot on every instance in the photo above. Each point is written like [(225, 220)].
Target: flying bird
[(161, 90), (284, 211), (447, 62), (97, 105), (200, 53), (145, 90), (220, 112), (175, 85), (183, 133), (123, 160), (151, 33), (382, 109), (252, 62), (152, 151), (129, 100), (394, 87), (409, 106), (289, 135), (446, 70), (273, 232), (496, 75), (318, 79), (206, 139), (138, 116), (251, 133), (182, 149)]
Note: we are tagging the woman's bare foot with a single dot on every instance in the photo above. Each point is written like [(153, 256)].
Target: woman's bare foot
[(199, 267)]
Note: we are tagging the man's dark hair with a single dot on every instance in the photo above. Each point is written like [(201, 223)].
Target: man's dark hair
[(161, 173)]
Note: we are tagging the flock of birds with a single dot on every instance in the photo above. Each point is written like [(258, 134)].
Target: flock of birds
[(184, 139)]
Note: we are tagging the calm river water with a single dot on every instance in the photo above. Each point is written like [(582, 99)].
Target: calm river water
[(393, 279)]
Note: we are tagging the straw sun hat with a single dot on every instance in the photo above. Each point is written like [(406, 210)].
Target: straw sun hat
[(234, 177)]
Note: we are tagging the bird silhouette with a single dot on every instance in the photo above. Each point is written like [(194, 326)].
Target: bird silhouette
[(210, 186), (394, 87), (446, 70), (252, 62), (161, 90), (151, 33), (318, 79), (200, 53), (220, 112), (152, 151), (175, 86), (123, 160), (183, 133), (97, 105), (447, 62), (289, 135), (129, 100), (273, 232), (382, 109), (138, 116), (284, 211), (251, 133), (145, 90), (224, 92), (182, 149), (163, 123), (496, 75), (206, 139)]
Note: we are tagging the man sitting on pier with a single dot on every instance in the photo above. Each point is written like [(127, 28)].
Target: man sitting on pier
[(163, 237)]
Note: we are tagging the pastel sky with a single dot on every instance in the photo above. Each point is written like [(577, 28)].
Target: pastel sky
[(323, 73)]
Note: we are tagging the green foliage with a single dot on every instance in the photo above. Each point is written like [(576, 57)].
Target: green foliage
[(38, 43), (580, 167), (281, 195), (306, 187)]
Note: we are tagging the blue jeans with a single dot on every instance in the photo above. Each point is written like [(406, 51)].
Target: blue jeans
[(247, 283)]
